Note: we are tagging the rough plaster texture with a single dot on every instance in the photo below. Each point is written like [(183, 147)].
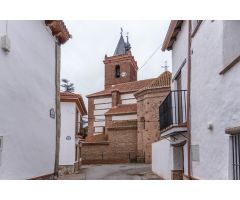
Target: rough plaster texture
[(67, 147), (27, 91), (161, 159), (214, 97)]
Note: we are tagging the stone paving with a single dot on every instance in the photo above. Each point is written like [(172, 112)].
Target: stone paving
[(113, 172)]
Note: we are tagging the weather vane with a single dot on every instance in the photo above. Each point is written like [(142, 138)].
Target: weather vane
[(121, 30), (166, 66)]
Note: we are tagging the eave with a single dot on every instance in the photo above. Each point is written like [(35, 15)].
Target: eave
[(171, 36)]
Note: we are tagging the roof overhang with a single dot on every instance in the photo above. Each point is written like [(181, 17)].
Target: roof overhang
[(59, 30), (170, 38), (75, 99)]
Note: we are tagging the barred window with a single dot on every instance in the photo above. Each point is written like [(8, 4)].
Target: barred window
[(235, 140)]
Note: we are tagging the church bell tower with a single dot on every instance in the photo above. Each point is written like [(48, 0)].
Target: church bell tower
[(121, 67)]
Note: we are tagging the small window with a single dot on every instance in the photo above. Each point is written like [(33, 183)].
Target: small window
[(195, 153), (117, 71)]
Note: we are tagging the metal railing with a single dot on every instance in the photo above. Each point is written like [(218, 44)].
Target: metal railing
[(130, 157), (173, 111)]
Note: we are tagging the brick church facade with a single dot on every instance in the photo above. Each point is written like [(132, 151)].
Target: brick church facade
[(113, 121)]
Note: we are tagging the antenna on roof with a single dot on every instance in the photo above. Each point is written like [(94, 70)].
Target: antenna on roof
[(166, 66)]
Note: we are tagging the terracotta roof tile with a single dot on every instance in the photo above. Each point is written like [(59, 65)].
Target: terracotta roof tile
[(69, 96), (59, 30), (123, 87), (122, 109), (164, 80)]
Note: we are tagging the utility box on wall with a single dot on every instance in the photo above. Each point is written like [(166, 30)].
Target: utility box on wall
[(195, 153)]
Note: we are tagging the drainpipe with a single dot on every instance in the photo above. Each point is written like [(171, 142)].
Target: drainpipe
[(58, 111), (189, 100)]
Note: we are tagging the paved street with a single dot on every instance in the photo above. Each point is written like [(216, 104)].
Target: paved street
[(113, 172)]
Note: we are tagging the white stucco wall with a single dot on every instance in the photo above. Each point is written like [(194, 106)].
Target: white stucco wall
[(179, 54), (67, 147), (214, 98), (161, 158), (124, 117), (27, 93)]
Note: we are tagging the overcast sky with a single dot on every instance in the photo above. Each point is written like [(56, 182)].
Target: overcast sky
[(83, 55)]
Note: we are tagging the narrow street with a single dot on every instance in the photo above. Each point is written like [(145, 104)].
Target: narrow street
[(113, 172)]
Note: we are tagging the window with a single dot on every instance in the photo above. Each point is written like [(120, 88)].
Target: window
[(235, 140), (117, 71)]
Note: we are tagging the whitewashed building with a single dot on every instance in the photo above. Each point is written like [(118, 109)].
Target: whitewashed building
[(209, 142), (72, 111), (29, 97)]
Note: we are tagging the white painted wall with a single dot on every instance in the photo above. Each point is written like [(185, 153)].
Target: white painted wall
[(98, 129), (67, 147), (129, 101), (214, 97), (100, 112), (27, 93), (103, 100), (99, 123), (179, 54), (124, 117), (128, 98), (102, 105), (162, 158)]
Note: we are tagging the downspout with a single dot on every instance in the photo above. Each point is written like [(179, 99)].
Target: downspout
[(58, 111), (189, 100)]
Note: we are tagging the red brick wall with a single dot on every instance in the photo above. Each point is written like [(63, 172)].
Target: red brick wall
[(120, 144), (127, 64), (90, 115), (148, 108)]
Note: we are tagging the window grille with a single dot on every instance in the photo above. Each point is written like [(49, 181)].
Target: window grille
[(236, 156)]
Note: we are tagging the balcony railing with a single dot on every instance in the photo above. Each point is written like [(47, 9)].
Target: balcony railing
[(172, 111)]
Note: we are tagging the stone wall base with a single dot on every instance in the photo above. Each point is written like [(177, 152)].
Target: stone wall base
[(177, 174), (66, 170)]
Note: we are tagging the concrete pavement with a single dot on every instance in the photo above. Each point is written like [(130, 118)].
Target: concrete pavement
[(113, 172)]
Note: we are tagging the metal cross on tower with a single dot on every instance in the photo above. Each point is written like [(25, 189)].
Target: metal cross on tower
[(165, 66)]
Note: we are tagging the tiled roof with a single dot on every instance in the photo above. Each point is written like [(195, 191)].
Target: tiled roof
[(164, 80), (123, 87), (69, 96), (122, 109), (59, 30)]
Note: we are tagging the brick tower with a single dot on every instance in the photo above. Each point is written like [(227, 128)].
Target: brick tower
[(121, 67)]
